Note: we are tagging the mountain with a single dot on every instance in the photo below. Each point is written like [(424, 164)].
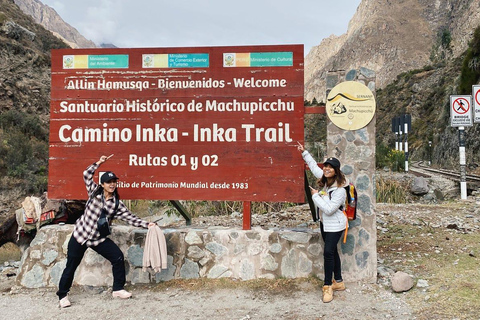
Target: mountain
[(420, 51), (392, 37), (49, 18), (417, 48), (24, 104)]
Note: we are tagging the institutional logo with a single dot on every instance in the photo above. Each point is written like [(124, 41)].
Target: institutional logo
[(350, 105), (68, 62), (229, 59), (147, 60)]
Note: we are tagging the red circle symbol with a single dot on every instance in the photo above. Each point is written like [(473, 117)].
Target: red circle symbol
[(477, 97), (461, 105)]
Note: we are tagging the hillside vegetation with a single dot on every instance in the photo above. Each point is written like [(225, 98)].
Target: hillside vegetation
[(425, 94), (24, 103)]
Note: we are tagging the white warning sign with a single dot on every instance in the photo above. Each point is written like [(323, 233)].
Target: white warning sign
[(461, 111), (476, 103)]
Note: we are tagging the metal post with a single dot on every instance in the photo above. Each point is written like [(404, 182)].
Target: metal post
[(183, 212), (406, 146), (463, 162), (247, 215), (400, 147), (430, 153)]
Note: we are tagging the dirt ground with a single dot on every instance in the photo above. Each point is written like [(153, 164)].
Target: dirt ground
[(359, 301), (436, 244)]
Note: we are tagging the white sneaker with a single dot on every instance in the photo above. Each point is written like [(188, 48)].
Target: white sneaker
[(122, 294), (64, 302)]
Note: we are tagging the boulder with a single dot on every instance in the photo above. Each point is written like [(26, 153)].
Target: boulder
[(419, 186), (401, 282)]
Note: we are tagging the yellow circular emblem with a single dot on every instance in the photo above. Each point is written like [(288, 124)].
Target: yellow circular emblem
[(350, 105)]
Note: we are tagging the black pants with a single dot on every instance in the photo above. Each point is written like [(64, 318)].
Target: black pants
[(107, 249), (332, 264)]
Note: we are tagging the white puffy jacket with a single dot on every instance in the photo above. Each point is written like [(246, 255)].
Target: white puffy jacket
[(330, 201)]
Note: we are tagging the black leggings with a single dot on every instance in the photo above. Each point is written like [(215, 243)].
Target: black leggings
[(331, 259), (107, 249)]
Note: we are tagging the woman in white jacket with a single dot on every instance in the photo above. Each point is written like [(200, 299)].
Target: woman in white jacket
[(329, 201)]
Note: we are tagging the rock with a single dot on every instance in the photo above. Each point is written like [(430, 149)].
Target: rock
[(384, 272), (402, 282), (421, 283), (419, 186)]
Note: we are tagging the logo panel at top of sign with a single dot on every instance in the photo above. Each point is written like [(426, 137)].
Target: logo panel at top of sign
[(179, 60), (121, 61), (176, 60), (258, 59), (102, 61)]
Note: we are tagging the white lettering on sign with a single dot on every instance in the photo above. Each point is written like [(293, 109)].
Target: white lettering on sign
[(156, 134), (190, 84), (259, 83), (250, 107), (88, 107), (67, 134), (214, 134), (149, 106), (279, 134), (102, 84)]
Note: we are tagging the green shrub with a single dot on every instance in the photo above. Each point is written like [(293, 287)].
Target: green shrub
[(470, 73), (396, 159), (3, 18), (24, 150), (381, 156), (388, 158), (30, 125)]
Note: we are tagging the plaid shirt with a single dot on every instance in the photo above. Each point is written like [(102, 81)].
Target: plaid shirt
[(85, 231)]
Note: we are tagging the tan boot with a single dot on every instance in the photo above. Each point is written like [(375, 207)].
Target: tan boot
[(338, 286), (327, 294)]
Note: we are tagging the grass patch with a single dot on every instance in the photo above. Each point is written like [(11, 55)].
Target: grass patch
[(390, 191), (449, 259), (10, 252), (147, 208)]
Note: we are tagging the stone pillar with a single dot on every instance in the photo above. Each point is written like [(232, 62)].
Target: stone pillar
[(356, 152)]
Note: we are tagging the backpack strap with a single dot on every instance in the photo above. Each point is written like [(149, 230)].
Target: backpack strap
[(308, 194), (342, 207), (117, 201)]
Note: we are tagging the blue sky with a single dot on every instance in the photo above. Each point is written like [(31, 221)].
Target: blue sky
[(159, 23)]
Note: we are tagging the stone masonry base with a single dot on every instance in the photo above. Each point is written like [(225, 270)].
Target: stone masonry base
[(192, 253)]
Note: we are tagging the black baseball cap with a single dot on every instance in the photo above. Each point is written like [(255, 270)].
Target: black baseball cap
[(107, 176), (334, 162)]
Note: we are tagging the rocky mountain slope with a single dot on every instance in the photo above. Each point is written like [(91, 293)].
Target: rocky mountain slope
[(49, 18), (24, 104), (391, 37)]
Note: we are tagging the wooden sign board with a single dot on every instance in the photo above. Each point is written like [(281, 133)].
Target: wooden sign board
[(206, 123)]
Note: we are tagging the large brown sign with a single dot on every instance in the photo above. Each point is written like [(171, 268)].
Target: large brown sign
[(208, 123)]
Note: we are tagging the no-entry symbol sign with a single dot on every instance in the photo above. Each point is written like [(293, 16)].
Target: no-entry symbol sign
[(476, 103), (460, 111)]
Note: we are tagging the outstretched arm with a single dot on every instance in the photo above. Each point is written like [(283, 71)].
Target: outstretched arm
[(312, 164)]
